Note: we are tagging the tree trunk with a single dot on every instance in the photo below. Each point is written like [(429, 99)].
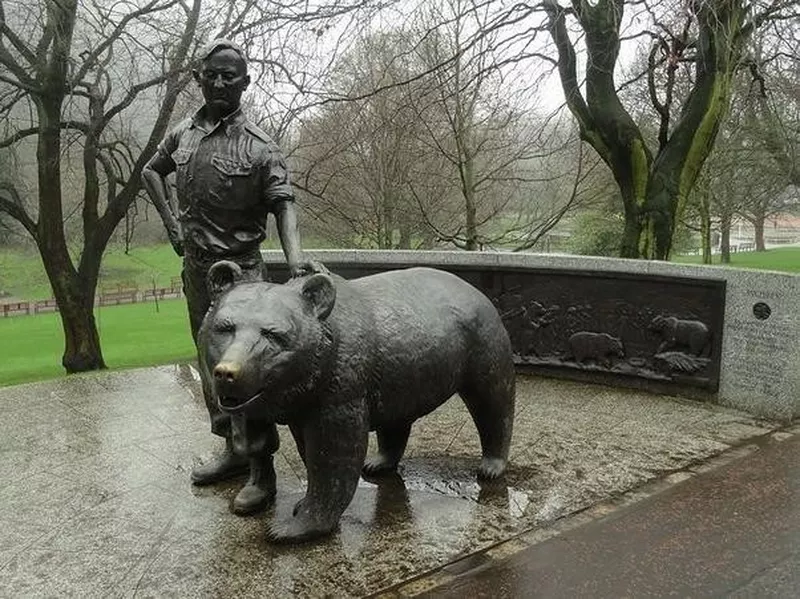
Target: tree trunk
[(81, 341), (705, 238), (659, 225), (758, 226), (82, 350), (725, 237), (631, 174), (471, 214), (405, 236), (704, 208), (631, 234), (471, 226)]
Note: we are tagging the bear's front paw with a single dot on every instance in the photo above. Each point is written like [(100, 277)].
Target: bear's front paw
[(491, 468), (378, 465), (298, 529)]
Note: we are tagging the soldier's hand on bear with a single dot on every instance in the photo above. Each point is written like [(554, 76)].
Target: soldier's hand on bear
[(307, 267)]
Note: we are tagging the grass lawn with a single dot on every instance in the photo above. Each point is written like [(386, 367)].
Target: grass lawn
[(143, 267), (785, 259), (131, 335), (22, 275)]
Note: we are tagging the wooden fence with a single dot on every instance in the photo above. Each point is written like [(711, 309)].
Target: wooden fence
[(124, 293)]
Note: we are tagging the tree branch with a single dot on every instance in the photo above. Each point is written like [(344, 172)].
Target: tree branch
[(131, 94), (23, 80), (16, 41), (92, 56), (11, 204), (23, 133), (567, 69)]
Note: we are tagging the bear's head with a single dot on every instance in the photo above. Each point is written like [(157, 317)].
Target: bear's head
[(263, 346), (658, 323)]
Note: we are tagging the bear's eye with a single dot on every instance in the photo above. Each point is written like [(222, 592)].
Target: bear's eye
[(274, 336), (224, 327)]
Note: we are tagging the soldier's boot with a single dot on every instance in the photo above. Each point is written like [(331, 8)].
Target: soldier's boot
[(259, 492), (222, 467)]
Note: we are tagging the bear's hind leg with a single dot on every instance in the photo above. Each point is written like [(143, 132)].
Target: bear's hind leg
[(297, 434), (491, 404), (391, 445)]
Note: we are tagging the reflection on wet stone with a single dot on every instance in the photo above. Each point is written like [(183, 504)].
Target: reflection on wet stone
[(93, 507)]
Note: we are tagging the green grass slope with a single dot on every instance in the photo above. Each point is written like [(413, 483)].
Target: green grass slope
[(131, 335), (22, 275), (785, 259)]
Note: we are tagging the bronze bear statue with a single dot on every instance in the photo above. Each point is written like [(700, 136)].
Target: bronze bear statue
[(335, 359)]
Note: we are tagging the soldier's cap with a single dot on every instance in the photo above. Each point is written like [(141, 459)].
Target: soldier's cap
[(221, 44)]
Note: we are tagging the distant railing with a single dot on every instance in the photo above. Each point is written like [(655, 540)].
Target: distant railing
[(746, 246), (121, 295), (15, 308), (47, 305), (109, 296)]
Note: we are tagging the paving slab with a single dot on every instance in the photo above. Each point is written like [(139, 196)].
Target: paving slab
[(97, 499)]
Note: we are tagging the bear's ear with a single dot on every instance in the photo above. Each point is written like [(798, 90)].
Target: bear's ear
[(319, 292), (222, 276)]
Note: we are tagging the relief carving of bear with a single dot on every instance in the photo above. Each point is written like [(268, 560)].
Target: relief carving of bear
[(598, 347), (335, 359), (680, 334)]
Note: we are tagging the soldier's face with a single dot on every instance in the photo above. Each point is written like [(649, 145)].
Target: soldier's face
[(223, 78)]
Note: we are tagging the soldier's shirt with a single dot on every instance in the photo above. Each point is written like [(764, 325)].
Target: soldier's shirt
[(229, 178)]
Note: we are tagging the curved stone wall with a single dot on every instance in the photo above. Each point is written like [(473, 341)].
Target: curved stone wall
[(717, 334)]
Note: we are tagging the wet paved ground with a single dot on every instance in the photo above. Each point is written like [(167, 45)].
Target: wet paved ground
[(97, 502), (730, 532)]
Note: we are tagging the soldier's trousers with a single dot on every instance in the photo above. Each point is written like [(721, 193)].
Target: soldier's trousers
[(250, 436)]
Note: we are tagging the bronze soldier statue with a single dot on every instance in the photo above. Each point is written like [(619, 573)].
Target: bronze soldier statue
[(230, 175)]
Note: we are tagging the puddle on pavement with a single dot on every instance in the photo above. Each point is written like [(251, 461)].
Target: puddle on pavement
[(454, 477)]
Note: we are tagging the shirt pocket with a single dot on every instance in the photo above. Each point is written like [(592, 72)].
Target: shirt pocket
[(182, 159), (234, 183)]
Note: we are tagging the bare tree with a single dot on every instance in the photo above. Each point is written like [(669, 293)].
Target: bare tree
[(63, 68), (477, 122), (356, 157), (100, 80), (703, 41), (753, 167), (574, 182), (774, 91), (424, 144)]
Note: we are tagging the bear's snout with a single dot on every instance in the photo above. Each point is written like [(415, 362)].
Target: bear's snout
[(227, 372)]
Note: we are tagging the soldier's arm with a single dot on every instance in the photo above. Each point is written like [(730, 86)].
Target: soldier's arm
[(289, 233), (154, 179), (286, 217), (279, 196)]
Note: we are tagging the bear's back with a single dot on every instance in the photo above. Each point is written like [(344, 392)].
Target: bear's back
[(425, 330)]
